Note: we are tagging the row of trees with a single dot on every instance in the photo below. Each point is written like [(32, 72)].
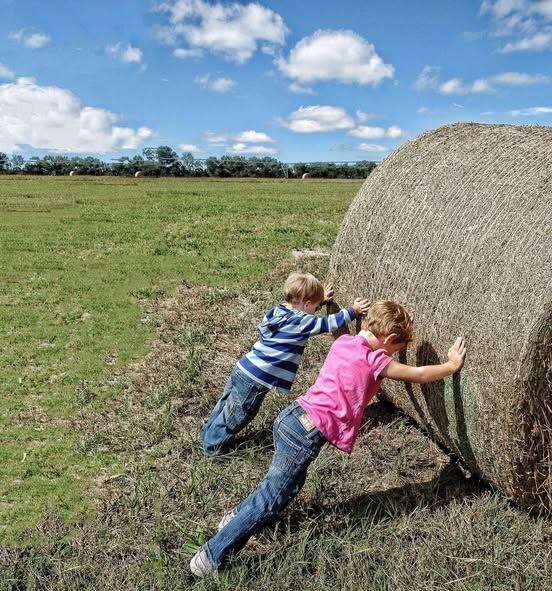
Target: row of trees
[(164, 161)]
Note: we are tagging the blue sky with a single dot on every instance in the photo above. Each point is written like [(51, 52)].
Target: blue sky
[(297, 81)]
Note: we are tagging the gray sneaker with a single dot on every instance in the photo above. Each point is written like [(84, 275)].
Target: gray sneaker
[(200, 565), (226, 519)]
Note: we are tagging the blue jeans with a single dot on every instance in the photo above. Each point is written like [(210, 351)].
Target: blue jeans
[(295, 447), (238, 406)]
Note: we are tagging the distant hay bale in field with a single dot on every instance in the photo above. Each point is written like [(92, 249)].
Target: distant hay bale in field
[(306, 175), (139, 173), (456, 224), (73, 173)]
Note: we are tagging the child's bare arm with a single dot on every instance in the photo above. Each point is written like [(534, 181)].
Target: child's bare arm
[(428, 373)]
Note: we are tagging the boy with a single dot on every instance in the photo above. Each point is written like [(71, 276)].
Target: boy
[(274, 358), (331, 410)]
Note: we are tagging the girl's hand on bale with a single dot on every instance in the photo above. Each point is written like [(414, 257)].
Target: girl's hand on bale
[(457, 354), (360, 306)]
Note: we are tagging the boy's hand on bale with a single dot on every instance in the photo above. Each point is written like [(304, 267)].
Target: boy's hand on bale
[(328, 294), (457, 354), (360, 306)]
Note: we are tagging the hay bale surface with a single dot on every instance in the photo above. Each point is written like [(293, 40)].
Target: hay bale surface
[(456, 225), (139, 174)]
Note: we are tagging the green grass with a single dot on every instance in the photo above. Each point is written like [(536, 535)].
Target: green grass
[(124, 306), (76, 257)]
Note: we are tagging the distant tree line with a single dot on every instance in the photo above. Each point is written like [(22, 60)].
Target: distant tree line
[(164, 161)]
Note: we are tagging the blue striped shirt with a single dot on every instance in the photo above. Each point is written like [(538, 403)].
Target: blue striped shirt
[(283, 335)]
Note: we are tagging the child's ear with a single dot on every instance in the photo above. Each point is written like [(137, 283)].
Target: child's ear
[(390, 338)]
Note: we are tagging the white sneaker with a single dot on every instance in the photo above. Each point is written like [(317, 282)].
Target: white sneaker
[(226, 520), (200, 565)]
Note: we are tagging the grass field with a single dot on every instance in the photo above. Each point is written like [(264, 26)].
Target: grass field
[(124, 304)]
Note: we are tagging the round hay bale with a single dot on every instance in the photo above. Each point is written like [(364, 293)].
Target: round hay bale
[(306, 175), (456, 224), (73, 173), (139, 174)]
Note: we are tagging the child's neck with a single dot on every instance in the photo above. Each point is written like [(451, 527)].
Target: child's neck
[(374, 342), (298, 306)]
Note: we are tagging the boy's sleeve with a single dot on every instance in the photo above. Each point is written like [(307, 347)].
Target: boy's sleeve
[(322, 324)]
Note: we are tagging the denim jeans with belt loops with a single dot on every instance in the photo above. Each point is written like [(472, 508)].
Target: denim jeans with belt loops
[(237, 407), (295, 447)]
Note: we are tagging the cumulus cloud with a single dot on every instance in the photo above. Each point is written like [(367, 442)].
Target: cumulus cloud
[(376, 133), (51, 118), (30, 40), (527, 23), (127, 54), (216, 84), (190, 148), (317, 119), (236, 31), (243, 142), (340, 56), (241, 148)]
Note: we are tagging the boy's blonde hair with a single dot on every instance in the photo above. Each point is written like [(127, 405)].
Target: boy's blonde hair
[(385, 317), (302, 287)]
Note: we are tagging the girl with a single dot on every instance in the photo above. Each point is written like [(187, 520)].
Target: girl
[(331, 410)]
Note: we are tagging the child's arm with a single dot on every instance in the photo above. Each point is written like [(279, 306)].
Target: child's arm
[(312, 325), (428, 373)]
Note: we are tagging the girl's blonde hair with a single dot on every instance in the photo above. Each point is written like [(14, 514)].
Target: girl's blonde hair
[(303, 287), (385, 317)]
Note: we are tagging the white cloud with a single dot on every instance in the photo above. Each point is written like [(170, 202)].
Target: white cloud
[(316, 119), (537, 42), (363, 117), (5, 72), (428, 80), (244, 142), (128, 54), (190, 148), (299, 89), (341, 56), (376, 133), (187, 53), (531, 112), (51, 118), (250, 137), (253, 137), (234, 30), (241, 148), (215, 139), (453, 86), (527, 22), (364, 147), (217, 84), (30, 40)]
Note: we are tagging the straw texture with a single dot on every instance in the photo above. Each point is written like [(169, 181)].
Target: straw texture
[(456, 225)]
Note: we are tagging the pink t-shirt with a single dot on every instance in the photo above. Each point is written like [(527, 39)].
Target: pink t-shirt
[(347, 382)]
